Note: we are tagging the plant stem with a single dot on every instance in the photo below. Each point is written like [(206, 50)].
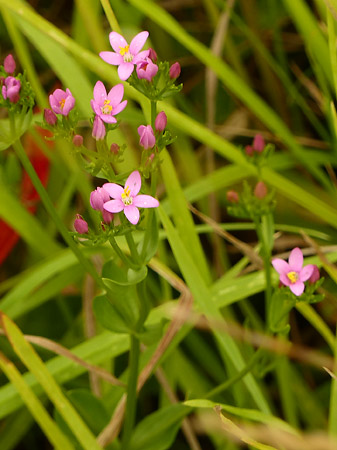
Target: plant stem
[(122, 256), (130, 412), (133, 249), (153, 112)]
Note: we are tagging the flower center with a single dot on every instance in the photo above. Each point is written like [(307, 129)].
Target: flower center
[(62, 102), (292, 276), (124, 51), (127, 200), (106, 108)]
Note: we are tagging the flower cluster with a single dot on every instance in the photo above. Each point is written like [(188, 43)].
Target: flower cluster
[(293, 274)]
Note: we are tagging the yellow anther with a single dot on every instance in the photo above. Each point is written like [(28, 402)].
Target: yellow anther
[(293, 276), (62, 102), (106, 108), (126, 192), (123, 50)]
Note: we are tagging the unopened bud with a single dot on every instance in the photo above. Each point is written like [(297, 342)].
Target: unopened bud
[(108, 217), (80, 225), (232, 196), (315, 276), (9, 64), (249, 150), (175, 70), (146, 135), (260, 190), (258, 143), (161, 121), (49, 116), (98, 129), (114, 148), (152, 55), (78, 140)]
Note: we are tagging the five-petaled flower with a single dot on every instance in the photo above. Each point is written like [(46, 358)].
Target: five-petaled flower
[(62, 102), (126, 56), (293, 274), (106, 106), (126, 199)]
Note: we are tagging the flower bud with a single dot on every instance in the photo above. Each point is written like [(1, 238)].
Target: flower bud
[(152, 55), (78, 140), (9, 64), (249, 150), (108, 217), (98, 129), (80, 225), (49, 116), (11, 88), (98, 197), (161, 121), (114, 148), (258, 143), (146, 70), (260, 190), (315, 276), (175, 70), (147, 138), (232, 197)]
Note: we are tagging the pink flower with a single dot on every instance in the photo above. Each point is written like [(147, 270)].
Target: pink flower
[(174, 71), (125, 56), (127, 199), (11, 88), (257, 146), (293, 274), (106, 106), (49, 116), (80, 225), (147, 138), (98, 197), (61, 102), (161, 121), (98, 129), (146, 69), (9, 64), (315, 276)]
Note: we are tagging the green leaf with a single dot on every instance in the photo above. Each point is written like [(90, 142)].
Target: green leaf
[(158, 430), (21, 126), (33, 362), (107, 315)]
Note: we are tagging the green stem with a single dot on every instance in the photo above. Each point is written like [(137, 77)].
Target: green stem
[(265, 253), (153, 112), (133, 249), (144, 304), (122, 256), (130, 412)]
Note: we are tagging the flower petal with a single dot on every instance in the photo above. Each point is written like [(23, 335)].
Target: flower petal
[(145, 201), (132, 214), (113, 189), (112, 58), (119, 108), (140, 57), (116, 94), (285, 280), (114, 206), (95, 107), (108, 118), (117, 41), (68, 105), (297, 288), (281, 266), (296, 259), (134, 183), (306, 272), (100, 92), (138, 42), (125, 70)]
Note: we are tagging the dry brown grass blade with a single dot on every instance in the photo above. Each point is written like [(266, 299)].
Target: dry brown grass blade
[(111, 431), (242, 246), (62, 351)]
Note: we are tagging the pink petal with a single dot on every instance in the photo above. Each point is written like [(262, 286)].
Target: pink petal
[(138, 42), (117, 41), (281, 266), (114, 206), (120, 107), (100, 92), (145, 201), (285, 280), (140, 57), (132, 214), (113, 189), (116, 94), (58, 95), (134, 183), (125, 70), (112, 58), (297, 288), (68, 105), (296, 259), (95, 107), (108, 118), (306, 272)]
